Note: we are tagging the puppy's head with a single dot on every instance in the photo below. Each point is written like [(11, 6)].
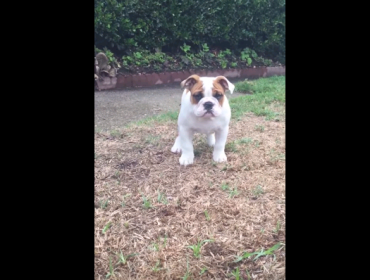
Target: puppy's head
[(207, 95)]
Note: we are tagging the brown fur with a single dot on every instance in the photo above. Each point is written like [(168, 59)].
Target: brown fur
[(194, 85), (219, 87)]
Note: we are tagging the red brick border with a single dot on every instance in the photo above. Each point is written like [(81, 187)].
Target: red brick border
[(147, 80)]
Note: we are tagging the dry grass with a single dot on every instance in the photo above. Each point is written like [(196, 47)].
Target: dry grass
[(138, 164)]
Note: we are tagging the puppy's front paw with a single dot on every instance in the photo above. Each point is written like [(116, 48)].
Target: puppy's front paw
[(186, 160), (176, 149), (219, 157)]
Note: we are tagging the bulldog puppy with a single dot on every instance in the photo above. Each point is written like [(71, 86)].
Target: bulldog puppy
[(204, 109)]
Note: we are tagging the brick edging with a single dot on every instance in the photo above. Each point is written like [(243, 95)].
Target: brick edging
[(152, 79)]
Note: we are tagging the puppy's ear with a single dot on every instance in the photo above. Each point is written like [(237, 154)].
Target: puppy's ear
[(190, 82), (224, 82)]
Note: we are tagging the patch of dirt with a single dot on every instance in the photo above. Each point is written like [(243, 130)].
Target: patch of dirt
[(211, 249), (244, 199), (127, 164)]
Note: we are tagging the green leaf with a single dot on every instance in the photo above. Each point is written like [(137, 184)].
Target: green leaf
[(259, 254), (238, 259), (273, 248), (106, 227), (247, 255)]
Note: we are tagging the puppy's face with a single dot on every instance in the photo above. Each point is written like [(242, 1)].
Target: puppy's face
[(207, 95)]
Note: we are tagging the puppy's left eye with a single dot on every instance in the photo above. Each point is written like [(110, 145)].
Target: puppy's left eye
[(218, 96)]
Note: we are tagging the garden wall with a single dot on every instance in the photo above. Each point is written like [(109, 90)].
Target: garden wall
[(153, 79)]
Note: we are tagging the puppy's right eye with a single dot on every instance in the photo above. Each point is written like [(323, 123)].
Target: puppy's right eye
[(198, 96)]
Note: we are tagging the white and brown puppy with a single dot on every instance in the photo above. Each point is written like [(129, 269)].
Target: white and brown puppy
[(204, 109)]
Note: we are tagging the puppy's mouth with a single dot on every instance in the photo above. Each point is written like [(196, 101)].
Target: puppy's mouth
[(208, 113)]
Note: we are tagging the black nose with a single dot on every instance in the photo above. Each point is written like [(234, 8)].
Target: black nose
[(208, 105)]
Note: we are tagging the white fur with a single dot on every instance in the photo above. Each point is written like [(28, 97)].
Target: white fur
[(192, 119)]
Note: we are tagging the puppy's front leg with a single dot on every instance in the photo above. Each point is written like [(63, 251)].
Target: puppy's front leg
[(211, 139), (186, 143), (219, 149)]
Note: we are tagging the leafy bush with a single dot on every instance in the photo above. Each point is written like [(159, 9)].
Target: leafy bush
[(128, 26), (144, 61)]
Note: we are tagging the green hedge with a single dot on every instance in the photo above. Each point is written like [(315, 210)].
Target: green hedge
[(125, 26)]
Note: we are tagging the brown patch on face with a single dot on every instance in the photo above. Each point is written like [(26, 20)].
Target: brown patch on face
[(196, 94), (218, 90), (195, 86), (222, 81)]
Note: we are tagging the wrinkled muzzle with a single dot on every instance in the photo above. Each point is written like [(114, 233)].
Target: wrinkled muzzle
[(207, 107)]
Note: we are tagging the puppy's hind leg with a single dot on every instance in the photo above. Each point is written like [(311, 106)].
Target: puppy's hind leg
[(211, 139)]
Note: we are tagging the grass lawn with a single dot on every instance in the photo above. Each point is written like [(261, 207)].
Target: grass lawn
[(155, 219)]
